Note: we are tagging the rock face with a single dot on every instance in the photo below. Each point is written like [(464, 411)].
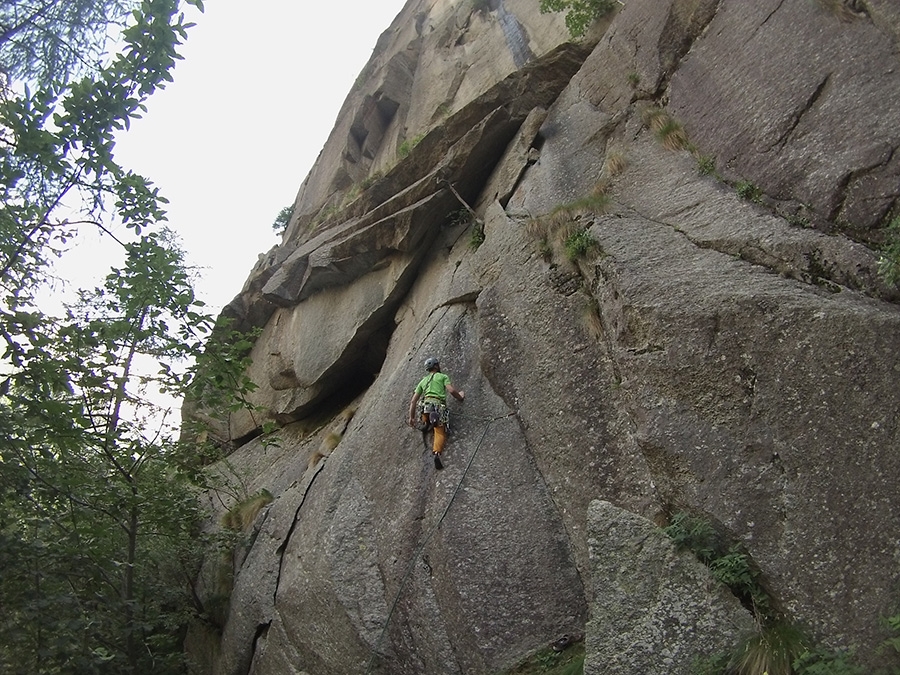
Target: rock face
[(720, 344), (656, 611)]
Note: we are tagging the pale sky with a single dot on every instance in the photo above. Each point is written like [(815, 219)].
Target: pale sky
[(231, 139)]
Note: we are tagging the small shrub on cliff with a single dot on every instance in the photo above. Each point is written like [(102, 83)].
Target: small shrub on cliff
[(548, 661), (747, 190), (593, 322), (820, 662), (476, 236), (580, 14), (694, 534), (580, 243), (706, 165), (597, 201), (889, 262), (730, 565), (407, 145), (282, 219), (539, 230)]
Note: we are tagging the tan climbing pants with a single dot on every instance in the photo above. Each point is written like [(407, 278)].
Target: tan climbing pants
[(440, 436)]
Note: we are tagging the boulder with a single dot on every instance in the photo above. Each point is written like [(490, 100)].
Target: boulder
[(654, 610)]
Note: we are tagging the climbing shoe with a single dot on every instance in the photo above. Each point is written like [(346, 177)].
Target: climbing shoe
[(437, 462)]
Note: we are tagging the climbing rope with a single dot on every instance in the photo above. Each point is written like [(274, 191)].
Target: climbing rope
[(415, 557)]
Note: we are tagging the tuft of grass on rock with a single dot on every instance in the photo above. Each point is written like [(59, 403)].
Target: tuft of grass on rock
[(749, 191), (616, 163), (407, 145), (706, 165), (241, 516), (569, 661), (668, 130), (772, 650)]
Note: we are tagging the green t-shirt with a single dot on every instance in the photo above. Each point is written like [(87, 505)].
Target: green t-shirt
[(433, 385)]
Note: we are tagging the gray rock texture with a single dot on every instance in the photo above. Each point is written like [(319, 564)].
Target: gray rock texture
[(732, 358), (655, 610)]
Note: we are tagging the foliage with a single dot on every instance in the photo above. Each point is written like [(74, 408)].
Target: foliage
[(58, 145), (476, 237), (579, 244), (283, 219), (569, 661), (889, 262), (717, 664), (539, 230), (772, 650), (615, 163), (99, 519), (668, 130), (747, 190), (734, 569), (819, 662), (777, 647), (580, 14), (672, 135), (694, 534), (728, 564), (559, 226), (369, 181), (241, 516), (706, 165), (47, 41), (99, 523), (407, 145), (597, 201)]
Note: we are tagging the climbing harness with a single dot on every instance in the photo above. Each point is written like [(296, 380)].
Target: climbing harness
[(427, 538)]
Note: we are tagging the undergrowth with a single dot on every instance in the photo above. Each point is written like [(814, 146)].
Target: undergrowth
[(560, 226), (569, 661), (777, 647)]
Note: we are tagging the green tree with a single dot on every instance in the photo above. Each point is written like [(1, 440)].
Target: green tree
[(45, 41), (580, 14), (283, 219), (98, 516), (57, 142), (98, 520)]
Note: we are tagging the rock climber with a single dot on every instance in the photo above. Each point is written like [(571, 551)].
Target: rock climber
[(432, 390)]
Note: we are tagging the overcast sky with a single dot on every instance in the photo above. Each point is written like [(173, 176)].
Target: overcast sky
[(231, 140)]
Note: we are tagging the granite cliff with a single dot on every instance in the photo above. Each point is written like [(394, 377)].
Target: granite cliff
[(649, 258)]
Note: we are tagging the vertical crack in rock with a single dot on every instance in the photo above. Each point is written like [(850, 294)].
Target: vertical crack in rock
[(280, 551), (771, 14), (682, 29), (262, 630), (782, 140)]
